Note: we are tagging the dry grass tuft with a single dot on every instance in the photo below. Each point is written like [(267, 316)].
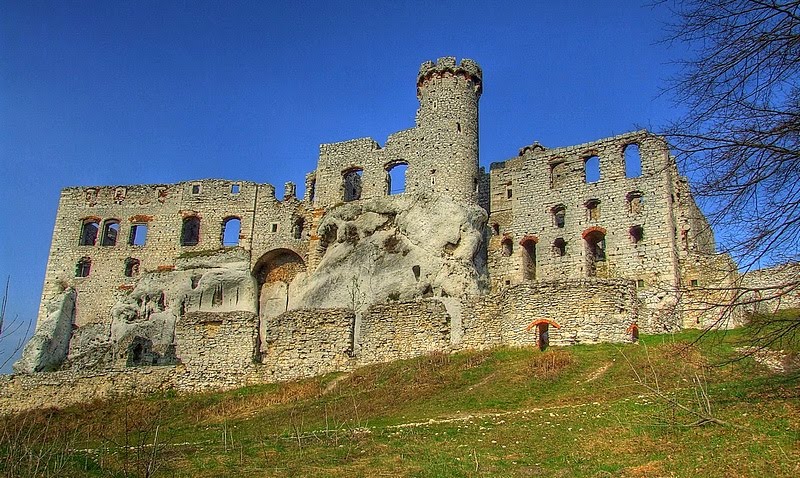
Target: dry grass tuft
[(549, 364)]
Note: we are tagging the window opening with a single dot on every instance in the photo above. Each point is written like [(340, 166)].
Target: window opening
[(507, 247), (83, 267), (509, 193), (396, 178), (593, 209), (351, 180), (637, 234), (190, 232), (89, 231), (231, 228), (560, 247), (639, 283), (273, 227), (695, 283), (559, 214), (235, 188), (131, 267), (558, 174), (195, 189), (138, 235), (635, 202), (633, 161), (529, 259), (595, 251), (591, 169), (496, 229), (110, 232), (297, 229)]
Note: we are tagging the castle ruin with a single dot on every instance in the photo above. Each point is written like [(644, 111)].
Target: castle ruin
[(393, 251)]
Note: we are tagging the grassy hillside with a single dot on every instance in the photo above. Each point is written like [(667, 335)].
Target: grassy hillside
[(601, 410)]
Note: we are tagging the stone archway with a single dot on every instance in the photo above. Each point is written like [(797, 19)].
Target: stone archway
[(274, 272)]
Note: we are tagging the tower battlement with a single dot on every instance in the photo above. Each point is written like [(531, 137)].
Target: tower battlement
[(446, 66)]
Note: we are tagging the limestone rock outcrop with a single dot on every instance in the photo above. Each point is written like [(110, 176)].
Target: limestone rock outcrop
[(394, 249), (47, 349)]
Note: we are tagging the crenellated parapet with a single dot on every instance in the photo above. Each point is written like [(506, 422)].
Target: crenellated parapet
[(446, 67)]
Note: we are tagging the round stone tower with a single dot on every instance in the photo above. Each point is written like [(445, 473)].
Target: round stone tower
[(447, 122)]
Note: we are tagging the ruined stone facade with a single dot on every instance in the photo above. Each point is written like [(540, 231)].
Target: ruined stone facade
[(224, 283)]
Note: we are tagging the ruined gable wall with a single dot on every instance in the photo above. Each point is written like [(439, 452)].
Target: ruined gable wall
[(162, 208), (535, 195)]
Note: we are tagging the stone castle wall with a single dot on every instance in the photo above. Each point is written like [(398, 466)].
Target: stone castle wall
[(281, 299)]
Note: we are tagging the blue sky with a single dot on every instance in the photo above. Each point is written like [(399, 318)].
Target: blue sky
[(110, 92)]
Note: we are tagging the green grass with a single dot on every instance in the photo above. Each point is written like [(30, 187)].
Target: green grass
[(575, 411)]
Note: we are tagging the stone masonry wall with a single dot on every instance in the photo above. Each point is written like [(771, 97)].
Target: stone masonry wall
[(216, 350), (305, 343), (62, 389), (397, 331)]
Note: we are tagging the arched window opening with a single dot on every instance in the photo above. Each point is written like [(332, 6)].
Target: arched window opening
[(396, 178), (591, 169), (558, 174), (351, 181), (595, 251), (110, 232), (633, 161), (559, 214), (297, 228), (637, 234), (529, 259), (89, 231), (635, 202), (138, 235), (131, 267), (83, 267), (507, 248), (593, 209), (190, 232), (231, 228)]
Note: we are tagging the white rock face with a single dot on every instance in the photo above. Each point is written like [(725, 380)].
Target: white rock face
[(395, 248), (48, 347)]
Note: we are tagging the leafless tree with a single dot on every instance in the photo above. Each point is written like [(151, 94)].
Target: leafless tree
[(739, 140), (13, 332)]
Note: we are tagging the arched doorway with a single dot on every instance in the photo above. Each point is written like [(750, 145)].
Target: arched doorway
[(274, 271)]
